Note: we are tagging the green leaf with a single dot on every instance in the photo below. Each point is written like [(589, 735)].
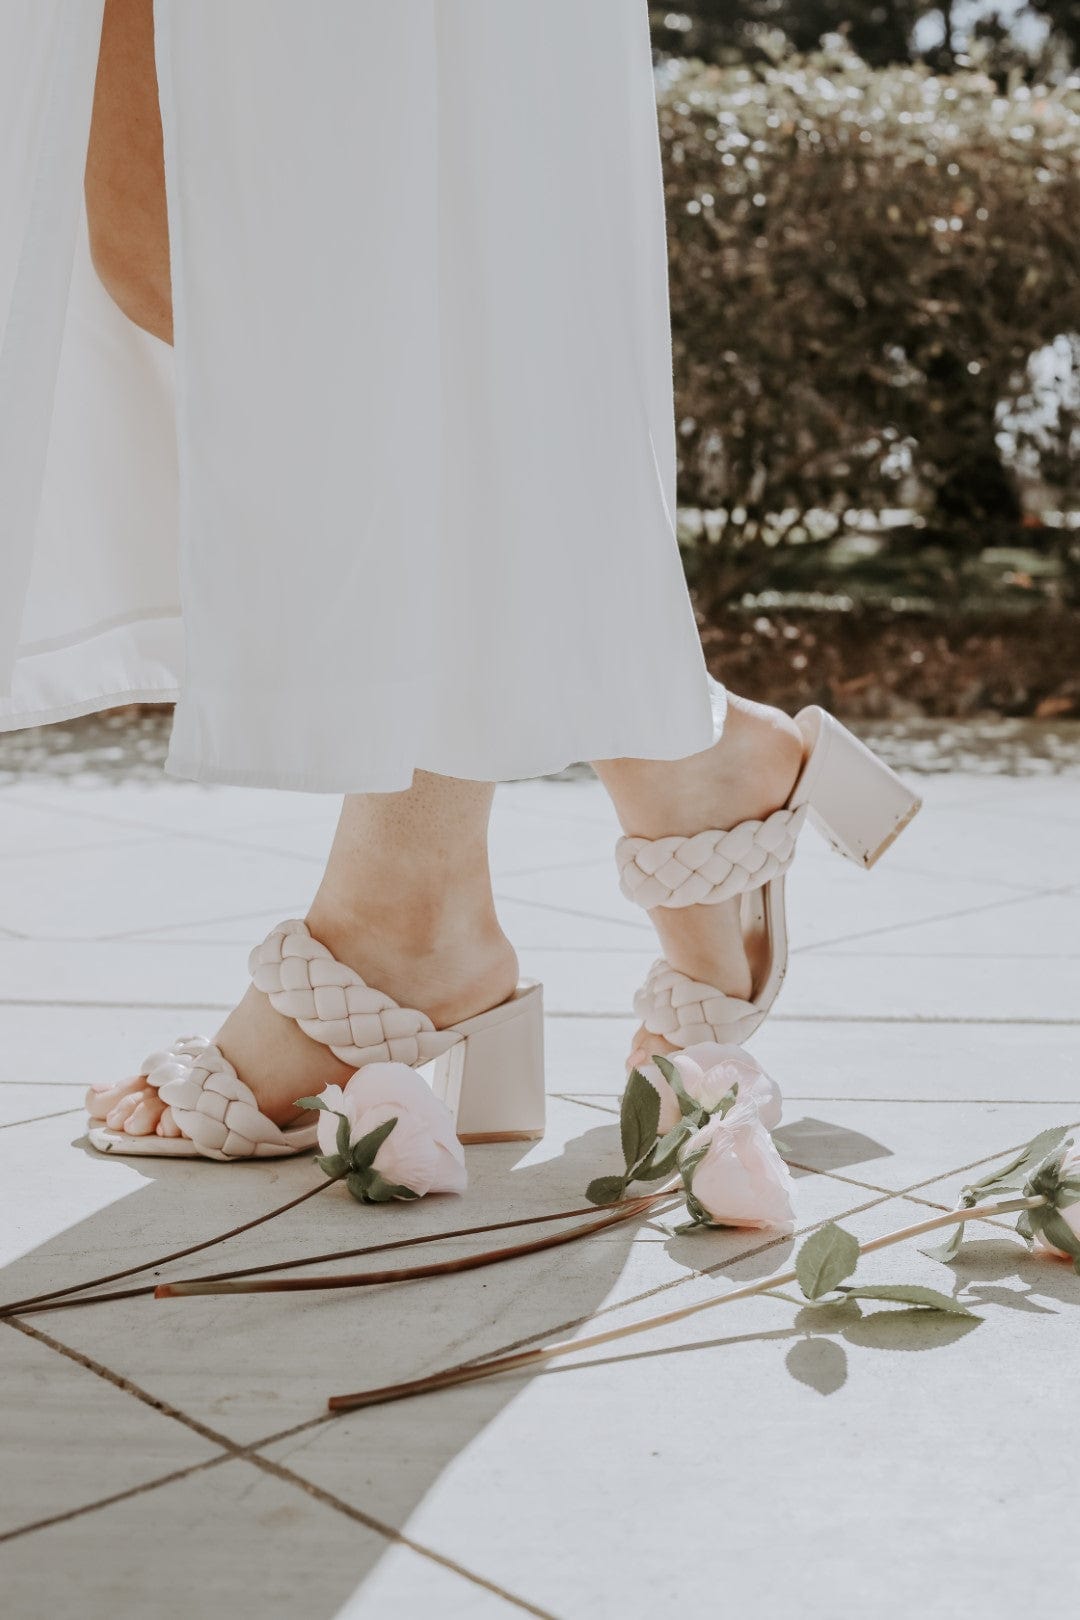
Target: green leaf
[(1016, 1172), (697, 1211), (825, 1259), (951, 1247), (639, 1118), (334, 1166), (689, 1109), (357, 1183), (313, 1102), (606, 1189), (344, 1131), (364, 1151), (1024, 1226), (381, 1191), (726, 1103), (690, 1164), (665, 1155), (908, 1294)]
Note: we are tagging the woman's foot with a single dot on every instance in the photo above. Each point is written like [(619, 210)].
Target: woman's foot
[(407, 904), (747, 775)]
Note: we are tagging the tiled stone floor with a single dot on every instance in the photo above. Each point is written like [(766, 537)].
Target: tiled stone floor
[(170, 1458)]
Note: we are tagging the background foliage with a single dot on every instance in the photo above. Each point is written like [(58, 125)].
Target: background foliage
[(1040, 36), (874, 227)]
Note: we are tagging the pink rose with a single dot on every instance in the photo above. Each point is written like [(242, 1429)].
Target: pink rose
[(422, 1151), (742, 1180), (708, 1071), (1070, 1166)]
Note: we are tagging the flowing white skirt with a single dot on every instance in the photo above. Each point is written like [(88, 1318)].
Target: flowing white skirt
[(410, 470)]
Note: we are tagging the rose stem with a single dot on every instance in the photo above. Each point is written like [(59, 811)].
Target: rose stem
[(366, 1279), (58, 1300), (55, 1303), (470, 1372), (16, 1305)]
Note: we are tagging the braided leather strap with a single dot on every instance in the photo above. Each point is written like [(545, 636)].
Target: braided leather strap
[(333, 1005), (213, 1107), (711, 866), (685, 1012)]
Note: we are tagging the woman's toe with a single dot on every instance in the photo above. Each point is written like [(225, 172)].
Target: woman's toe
[(166, 1125), (101, 1099), (143, 1118), (645, 1047), (117, 1115)]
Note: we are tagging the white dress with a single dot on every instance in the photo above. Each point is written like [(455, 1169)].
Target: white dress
[(410, 470)]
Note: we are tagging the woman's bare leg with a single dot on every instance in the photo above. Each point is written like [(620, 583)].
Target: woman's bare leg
[(749, 773), (125, 171)]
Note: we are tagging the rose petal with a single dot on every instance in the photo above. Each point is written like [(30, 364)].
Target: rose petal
[(742, 1181), (403, 1088)]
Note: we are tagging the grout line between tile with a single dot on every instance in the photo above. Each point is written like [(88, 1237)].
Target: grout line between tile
[(57, 1113), (287, 1475), (52, 851), (569, 911), (117, 1496), (156, 832), (902, 869), (949, 1102), (571, 1014), (197, 922), (914, 1019), (232, 1450), (121, 1006), (35, 1082), (812, 1097), (850, 1018), (921, 922), (118, 1381), (942, 956)]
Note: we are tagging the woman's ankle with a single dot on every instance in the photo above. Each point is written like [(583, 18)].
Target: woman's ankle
[(439, 947), (747, 774)]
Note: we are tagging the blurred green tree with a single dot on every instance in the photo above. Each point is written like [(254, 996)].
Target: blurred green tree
[(1063, 17), (883, 32)]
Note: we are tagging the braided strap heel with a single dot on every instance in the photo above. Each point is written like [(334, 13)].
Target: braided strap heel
[(856, 802), (488, 1070), (217, 1113), (684, 1012), (334, 1006), (709, 867)]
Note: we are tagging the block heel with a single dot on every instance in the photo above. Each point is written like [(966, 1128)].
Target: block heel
[(858, 804), (492, 1080)]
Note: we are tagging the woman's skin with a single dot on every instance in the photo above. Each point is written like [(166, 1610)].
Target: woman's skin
[(125, 171), (406, 897)]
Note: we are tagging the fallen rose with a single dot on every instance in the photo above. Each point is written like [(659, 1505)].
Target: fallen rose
[(388, 1135), (708, 1072), (734, 1175)]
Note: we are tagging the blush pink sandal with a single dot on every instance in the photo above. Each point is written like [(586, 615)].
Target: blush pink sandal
[(856, 802), (489, 1070)]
